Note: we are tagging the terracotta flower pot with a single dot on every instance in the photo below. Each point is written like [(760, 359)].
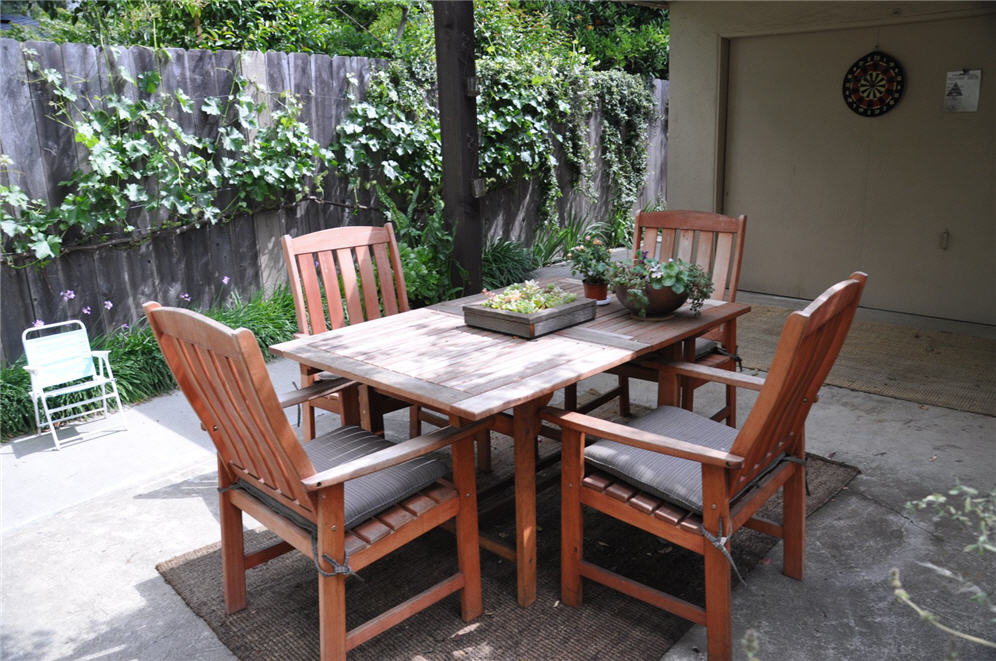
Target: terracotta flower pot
[(596, 290), (660, 302)]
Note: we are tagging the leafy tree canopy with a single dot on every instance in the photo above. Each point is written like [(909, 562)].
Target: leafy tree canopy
[(611, 35)]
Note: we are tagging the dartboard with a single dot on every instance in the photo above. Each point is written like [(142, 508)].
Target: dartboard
[(873, 84)]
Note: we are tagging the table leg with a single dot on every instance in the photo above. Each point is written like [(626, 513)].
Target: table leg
[(669, 384), (526, 427)]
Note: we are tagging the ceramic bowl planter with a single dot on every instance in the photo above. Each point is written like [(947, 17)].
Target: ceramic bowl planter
[(648, 287), (660, 302)]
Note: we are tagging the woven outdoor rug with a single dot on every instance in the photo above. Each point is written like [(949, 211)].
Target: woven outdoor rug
[(281, 620), (931, 367)]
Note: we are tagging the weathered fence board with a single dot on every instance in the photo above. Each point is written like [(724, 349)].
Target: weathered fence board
[(17, 123), (246, 250)]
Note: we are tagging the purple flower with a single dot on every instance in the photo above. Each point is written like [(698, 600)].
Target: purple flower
[(108, 305), (125, 326), (68, 295), (185, 296), (86, 309), (37, 323), (225, 280)]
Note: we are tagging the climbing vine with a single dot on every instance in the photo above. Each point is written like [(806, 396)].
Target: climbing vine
[(140, 158), (141, 161), (532, 117)]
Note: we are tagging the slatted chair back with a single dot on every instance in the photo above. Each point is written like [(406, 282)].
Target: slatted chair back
[(223, 375), (344, 275), (713, 241), (810, 342)]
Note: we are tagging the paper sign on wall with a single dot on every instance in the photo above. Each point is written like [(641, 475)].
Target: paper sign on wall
[(961, 90)]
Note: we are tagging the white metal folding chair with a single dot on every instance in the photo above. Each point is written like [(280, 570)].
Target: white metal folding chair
[(60, 363)]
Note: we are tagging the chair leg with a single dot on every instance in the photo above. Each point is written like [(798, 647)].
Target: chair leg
[(331, 589), (794, 524), (414, 421), (117, 398), (731, 406), (233, 558), (307, 421), (307, 410), (719, 624), (51, 425), (468, 548), (571, 527), (571, 397), (688, 396)]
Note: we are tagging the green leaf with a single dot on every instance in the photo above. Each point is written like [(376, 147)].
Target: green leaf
[(183, 100), (136, 193), (211, 106), (43, 247)]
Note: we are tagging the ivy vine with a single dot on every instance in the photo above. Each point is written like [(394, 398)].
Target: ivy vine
[(140, 158), (532, 117)]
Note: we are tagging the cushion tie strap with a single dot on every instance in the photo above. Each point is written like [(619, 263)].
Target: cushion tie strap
[(797, 460), (336, 567), (720, 544), (736, 358), (302, 523)]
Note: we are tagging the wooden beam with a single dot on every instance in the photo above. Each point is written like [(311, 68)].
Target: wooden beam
[(454, 30)]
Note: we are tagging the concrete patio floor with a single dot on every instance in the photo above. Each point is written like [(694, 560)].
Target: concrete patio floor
[(83, 528)]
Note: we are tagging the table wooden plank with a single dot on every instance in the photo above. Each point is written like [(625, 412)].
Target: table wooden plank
[(503, 397), (392, 383)]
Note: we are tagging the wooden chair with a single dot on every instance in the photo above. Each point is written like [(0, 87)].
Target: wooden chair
[(342, 276), (715, 242), (694, 481), (344, 499)]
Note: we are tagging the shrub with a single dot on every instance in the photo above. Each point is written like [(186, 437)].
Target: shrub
[(505, 262)]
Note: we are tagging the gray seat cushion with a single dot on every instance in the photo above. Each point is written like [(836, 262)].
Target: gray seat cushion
[(373, 493), (676, 480), (704, 347)]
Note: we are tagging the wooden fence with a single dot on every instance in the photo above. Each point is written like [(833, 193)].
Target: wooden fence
[(106, 287)]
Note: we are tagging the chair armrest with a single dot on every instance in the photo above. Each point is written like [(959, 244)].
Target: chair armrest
[(314, 391), (638, 438), (396, 454), (729, 377), (103, 357)]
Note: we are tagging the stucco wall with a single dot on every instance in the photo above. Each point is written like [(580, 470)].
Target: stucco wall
[(758, 126)]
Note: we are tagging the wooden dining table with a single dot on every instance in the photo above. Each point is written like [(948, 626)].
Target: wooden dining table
[(429, 356)]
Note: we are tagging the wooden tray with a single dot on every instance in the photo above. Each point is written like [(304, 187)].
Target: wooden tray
[(532, 325)]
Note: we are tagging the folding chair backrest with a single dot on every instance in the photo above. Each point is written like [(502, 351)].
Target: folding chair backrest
[(222, 373), (58, 353), (713, 241), (809, 344), (344, 275)]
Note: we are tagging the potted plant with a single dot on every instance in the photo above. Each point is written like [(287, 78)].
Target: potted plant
[(591, 259), (648, 286)]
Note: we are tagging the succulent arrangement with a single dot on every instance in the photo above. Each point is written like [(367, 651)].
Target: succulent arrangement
[(527, 297)]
